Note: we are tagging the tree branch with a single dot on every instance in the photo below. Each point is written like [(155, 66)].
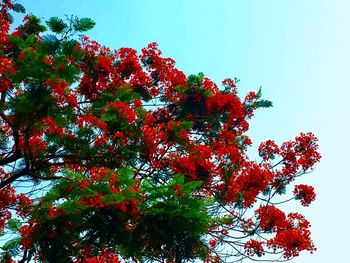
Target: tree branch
[(13, 177)]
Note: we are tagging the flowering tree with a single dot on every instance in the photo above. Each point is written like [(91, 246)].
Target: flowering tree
[(112, 156)]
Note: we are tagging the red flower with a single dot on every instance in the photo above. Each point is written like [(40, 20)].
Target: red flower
[(268, 149), (26, 233), (292, 241), (107, 256), (305, 194), (271, 218), (254, 247), (124, 110), (306, 147), (230, 84), (252, 180), (34, 146), (213, 242)]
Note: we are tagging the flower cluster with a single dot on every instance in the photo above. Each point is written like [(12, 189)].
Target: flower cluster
[(271, 218), (305, 194), (254, 247), (292, 231)]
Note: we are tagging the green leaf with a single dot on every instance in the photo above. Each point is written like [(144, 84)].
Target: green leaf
[(126, 175), (50, 43), (191, 186), (186, 125), (113, 198), (18, 8), (53, 195), (12, 244), (258, 95), (56, 25), (200, 76), (83, 24), (177, 180), (146, 185), (207, 94), (10, 17), (72, 207), (17, 41), (156, 211), (181, 88), (14, 224), (263, 104), (107, 116), (68, 47), (195, 79)]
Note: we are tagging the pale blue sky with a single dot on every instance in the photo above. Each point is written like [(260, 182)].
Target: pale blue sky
[(297, 50)]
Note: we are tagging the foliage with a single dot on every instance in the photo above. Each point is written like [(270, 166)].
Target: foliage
[(115, 156)]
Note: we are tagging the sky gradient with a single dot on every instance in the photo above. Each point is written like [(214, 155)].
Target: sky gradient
[(297, 51)]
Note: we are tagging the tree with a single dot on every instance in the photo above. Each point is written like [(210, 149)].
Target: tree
[(115, 156)]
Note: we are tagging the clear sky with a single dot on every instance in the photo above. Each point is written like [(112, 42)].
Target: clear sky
[(297, 50)]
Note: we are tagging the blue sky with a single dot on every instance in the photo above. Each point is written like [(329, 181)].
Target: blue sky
[(298, 51)]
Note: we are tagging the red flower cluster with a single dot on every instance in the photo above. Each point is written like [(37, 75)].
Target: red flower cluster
[(195, 167), (252, 180), (253, 247), (292, 232), (122, 109), (6, 69), (26, 233), (9, 200), (89, 120), (305, 194), (292, 241), (107, 256), (301, 153), (52, 127), (271, 218), (162, 70), (34, 146), (306, 147), (268, 150)]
